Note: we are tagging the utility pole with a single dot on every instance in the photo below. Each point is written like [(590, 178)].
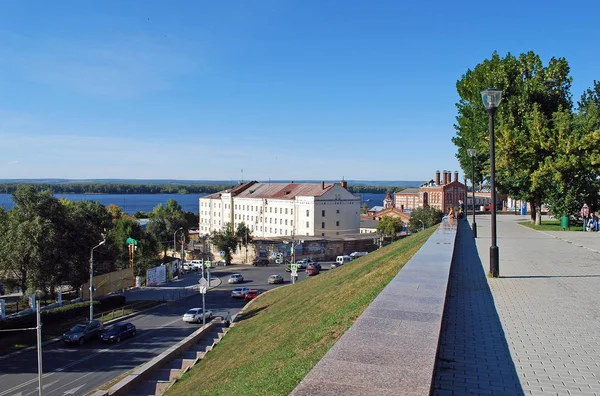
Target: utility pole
[(39, 345), (92, 279)]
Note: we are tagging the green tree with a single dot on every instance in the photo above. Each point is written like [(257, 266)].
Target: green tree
[(225, 241), (165, 220), (364, 209), (532, 94), (390, 226), (424, 218)]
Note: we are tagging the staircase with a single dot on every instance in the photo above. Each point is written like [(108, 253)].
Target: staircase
[(164, 377)]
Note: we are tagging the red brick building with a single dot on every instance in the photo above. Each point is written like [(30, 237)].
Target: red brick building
[(439, 194)]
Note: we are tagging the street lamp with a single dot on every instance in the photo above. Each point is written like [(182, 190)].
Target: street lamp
[(175, 250), (472, 153), (92, 279), (491, 99), (423, 225)]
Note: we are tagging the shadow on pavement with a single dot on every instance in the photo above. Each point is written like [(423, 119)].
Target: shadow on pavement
[(473, 355)]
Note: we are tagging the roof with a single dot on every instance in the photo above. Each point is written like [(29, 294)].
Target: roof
[(376, 208), (368, 223), (409, 190), (276, 190)]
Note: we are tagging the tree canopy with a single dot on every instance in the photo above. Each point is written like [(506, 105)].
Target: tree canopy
[(545, 151)]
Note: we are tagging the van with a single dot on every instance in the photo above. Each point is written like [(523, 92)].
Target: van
[(341, 260)]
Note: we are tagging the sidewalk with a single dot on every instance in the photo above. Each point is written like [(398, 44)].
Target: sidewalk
[(533, 331)]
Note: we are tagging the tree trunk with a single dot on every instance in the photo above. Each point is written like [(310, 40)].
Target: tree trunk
[(533, 212), (538, 210)]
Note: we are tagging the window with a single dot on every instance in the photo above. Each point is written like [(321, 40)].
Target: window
[(236, 206), (292, 223), (307, 213), (286, 210), (323, 225), (280, 221), (322, 234), (270, 220), (285, 232), (285, 221), (280, 231), (338, 211), (270, 229), (307, 226), (322, 213), (271, 209), (337, 223), (280, 210), (291, 211)]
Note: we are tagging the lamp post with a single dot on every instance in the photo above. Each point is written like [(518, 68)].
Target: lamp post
[(175, 250), (423, 225), (472, 153), (491, 99), (92, 279)]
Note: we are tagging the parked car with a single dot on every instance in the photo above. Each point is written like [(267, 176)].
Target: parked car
[(119, 331), (343, 259), (188, 267), (358, 254), (313, 269), (251, 294), (275, 278), (239, 292), (260, 261), (197, 264), (194, 315), (236, 278), (83, 332)]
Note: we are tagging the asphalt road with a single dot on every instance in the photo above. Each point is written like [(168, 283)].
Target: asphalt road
[(77, 370)]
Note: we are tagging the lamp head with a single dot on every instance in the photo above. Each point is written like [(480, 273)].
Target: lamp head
[(472, 152), (491, 98), (102, 243)]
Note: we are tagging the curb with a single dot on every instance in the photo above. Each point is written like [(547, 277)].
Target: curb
[(60, 338)]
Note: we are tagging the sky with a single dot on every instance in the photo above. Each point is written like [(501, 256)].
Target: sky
[(258, 90)]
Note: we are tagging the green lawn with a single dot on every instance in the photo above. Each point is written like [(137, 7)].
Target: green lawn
[(553, 225), (286, 332)]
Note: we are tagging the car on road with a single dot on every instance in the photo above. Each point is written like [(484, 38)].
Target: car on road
[(275, 278), (252, 294), (358, 254), (239, 292), (260, 261), (313, 269), (194, 315), (82, 332), (188, 267), (304, 263), (118, 332), (236, 278)]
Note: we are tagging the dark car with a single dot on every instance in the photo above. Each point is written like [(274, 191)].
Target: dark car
[(118, 331), (313, 269), (83, 332), (260, 261)]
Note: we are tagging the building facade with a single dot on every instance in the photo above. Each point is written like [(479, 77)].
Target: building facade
[(283, 209), (439, 194)]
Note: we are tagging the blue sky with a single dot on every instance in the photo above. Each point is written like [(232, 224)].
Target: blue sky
[(284, 90)]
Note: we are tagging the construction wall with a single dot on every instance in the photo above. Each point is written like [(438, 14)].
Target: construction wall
[(109, 283)]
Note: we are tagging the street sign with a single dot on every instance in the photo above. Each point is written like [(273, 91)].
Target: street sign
[(273, 255), (202, 289), (203, 282), (294, 267), (207, 264), (222, 254)]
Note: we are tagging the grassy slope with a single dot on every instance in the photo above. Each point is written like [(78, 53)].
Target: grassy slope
[(287, 331)]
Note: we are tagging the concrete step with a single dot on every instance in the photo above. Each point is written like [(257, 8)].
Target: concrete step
[(166, 374), (151, 387), (179, 364)]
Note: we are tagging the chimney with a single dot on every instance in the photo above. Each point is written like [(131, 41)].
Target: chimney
[(323, 185), (437, 178), (445, 177), (456, 176), (344, 184)]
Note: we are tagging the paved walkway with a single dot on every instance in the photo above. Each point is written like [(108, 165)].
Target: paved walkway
[(533, 331)]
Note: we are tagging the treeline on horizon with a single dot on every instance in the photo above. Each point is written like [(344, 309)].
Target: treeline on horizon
[(122, 188)]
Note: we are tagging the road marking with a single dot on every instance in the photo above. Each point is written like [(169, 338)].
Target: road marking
[(69, 383), (73, 391), (61, 369)]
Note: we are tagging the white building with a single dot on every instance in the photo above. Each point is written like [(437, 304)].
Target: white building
[(280, 209)]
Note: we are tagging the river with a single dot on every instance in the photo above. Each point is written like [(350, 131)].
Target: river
[(131, 203)]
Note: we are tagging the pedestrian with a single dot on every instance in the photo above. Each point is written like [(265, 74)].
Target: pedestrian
[(451, 214), (227, 320), (461, 209)]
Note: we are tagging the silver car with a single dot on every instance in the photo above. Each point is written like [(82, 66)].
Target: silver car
[(239, 292), (194, 315), (236, 278)]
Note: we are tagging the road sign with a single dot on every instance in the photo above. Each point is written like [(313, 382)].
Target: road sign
[(222, 254), (203, 282), (207, 264), (202, 289), (273, 255), (294, 267)]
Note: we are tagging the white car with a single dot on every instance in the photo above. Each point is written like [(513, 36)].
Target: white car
[(239, 292), (358, 254), (302, 264), (188, 267), (236, 278), (194, 315)]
